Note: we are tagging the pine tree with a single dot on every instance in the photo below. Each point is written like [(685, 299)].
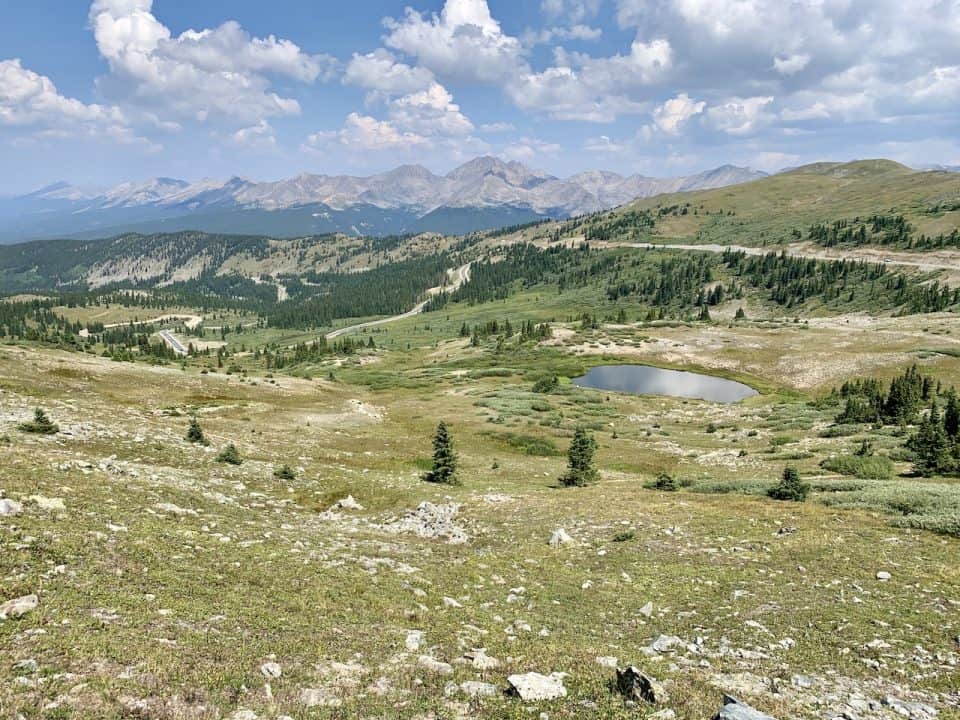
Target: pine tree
[(665, 481), (444, 468), (580, 468), (790, 487), (195, 433), (285, 472), (40, 425), (741, 315), (931, 446), (951, 415), (704, 313), (230, 455)]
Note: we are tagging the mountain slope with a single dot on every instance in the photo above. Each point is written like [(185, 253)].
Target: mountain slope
[(484, 193), (774, 209)]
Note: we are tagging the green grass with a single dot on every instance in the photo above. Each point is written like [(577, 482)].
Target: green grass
[(873, 467)]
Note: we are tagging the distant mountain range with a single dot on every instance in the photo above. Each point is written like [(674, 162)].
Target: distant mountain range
[(482, 194)]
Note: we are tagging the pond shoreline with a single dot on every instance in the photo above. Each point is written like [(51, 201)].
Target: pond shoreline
[(651, 380)]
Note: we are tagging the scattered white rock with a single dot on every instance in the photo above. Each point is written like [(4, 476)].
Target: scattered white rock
[(243, 715), (451, 603), (414, 640), (481, 661), (884, 576), (534, 686), (665, 714), (434, 665), (474, 688), (18, 607), (560, 537), (174, 509), (9, 508), (45, 503), (431, 521), (607, 661), (319, 697), (665, 643), (271, 670), (647, 610), (347, 503), (733, 709)]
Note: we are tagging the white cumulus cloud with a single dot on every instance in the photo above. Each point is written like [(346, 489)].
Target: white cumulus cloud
[(221, 71), (464, 42)]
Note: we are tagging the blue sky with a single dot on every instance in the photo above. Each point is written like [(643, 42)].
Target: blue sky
[(101, 91)]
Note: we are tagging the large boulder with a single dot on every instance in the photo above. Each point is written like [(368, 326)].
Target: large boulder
[(18, 607), (10, 507), (639, 687), (534, 686), (733, 709)]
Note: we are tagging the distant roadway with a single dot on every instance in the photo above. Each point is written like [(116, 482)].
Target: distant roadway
[(462, 276)]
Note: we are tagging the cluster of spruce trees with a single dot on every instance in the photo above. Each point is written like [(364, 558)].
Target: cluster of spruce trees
[(936, 443), (868, 401), (529, 331), (315, 351), (887, 230), (36, 321)]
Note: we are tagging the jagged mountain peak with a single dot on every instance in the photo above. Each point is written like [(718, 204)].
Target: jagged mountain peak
[(487, 187)]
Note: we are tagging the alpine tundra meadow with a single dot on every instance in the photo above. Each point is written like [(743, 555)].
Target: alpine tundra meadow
[(480, 359)]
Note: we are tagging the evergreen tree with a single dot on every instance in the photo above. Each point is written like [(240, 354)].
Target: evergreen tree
[(741, 315), (285, 472), (230, 455), (195, 433), (951, 416), (791, 487), (444, 468), (665, 481), (580, 468), (933, 450), (40, 425)]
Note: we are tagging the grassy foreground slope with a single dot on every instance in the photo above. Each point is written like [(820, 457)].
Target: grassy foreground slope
[(167, 581)]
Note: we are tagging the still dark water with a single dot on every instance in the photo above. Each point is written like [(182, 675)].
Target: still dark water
[(646, 380)]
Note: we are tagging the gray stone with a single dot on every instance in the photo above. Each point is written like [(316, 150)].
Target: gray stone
[(414, 640), (271, 670), (665, 643), (434, 665), (45, 503), (319, 697), (534, 686), (243, 715), (18, 607), (560, 537), (347, 503), (639, 687), (733, 709), (9, 508), (481, 661), (474, 688)]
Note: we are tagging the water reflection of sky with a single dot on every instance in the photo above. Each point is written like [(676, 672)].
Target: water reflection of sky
[(645, 380)]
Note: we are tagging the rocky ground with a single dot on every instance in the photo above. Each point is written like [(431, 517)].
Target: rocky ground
[(140, 578)]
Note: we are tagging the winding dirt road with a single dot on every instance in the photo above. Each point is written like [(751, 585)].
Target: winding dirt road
[(462, 275), (873, 255)]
